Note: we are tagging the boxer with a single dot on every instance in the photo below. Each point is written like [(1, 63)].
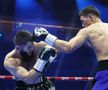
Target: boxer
[(94, 33), (28, 62)]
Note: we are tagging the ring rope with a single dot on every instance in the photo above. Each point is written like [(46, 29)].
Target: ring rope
[(56, 78), (39, 25)]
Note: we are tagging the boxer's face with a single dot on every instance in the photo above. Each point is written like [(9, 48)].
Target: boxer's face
[(26, 49), (86, 21)]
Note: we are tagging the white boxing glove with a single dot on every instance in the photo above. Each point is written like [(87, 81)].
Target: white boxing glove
[(45, 35)]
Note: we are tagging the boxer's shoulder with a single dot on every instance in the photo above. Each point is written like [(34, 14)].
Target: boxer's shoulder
[(12, 59)]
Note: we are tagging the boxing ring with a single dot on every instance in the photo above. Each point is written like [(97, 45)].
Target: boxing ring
[(9, 77)]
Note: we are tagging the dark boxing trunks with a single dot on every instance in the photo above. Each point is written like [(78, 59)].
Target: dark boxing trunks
[(101, 77), (44, 85)]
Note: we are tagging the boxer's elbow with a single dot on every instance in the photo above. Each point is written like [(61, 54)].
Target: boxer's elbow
[(7, 65), (68, 48)]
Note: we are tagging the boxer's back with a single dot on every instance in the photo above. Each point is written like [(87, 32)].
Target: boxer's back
[(98, 36)]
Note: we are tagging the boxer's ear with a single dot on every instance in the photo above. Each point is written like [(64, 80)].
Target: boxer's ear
[(91, 17), (18, 48)]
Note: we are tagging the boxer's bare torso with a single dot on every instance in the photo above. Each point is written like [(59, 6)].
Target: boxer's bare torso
[(15, 61), (98, 37)]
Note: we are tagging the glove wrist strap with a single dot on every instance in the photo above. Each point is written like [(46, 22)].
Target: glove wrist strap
[(40, 64), (50, 39)]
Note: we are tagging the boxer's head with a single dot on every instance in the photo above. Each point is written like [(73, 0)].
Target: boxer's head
[(89, 15), (23, 41)]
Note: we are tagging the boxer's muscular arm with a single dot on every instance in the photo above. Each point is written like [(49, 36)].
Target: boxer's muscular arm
[(19, 72), (39, 45), (72, 44)]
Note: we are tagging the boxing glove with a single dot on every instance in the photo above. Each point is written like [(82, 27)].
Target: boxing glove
[(46, 56), (45, 35)]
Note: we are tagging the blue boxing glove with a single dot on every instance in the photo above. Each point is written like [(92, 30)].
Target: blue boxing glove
[(46, 56), (45, 35)]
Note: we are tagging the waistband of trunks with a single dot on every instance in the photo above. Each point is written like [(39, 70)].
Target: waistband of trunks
[(23, 84), (102, 65)]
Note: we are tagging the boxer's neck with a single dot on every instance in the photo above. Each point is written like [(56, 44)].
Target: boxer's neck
[(97, 20)]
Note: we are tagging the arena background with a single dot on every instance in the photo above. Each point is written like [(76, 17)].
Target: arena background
[(59, 17)]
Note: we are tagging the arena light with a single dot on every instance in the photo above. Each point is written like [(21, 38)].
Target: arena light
[(26, 8), (24, 3), (0, 35), (83, 4)]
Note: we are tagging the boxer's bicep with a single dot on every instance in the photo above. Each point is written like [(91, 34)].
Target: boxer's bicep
[(22, 73), (19, 72), (25, 75), (10, 65), (78, 40)]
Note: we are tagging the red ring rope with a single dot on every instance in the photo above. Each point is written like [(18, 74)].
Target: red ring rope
[(56, 78)]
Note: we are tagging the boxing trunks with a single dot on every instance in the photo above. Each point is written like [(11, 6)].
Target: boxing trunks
[(101, 77), (44, 85)]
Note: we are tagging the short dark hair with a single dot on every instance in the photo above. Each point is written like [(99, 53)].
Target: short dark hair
[(90, 10), (22, 37)]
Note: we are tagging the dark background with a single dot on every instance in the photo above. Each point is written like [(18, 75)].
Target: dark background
[(59, 17)]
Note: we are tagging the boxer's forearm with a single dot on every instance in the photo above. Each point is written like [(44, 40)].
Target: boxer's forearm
[(62, 45), (21, 73), (30, 76), (66, 46)]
